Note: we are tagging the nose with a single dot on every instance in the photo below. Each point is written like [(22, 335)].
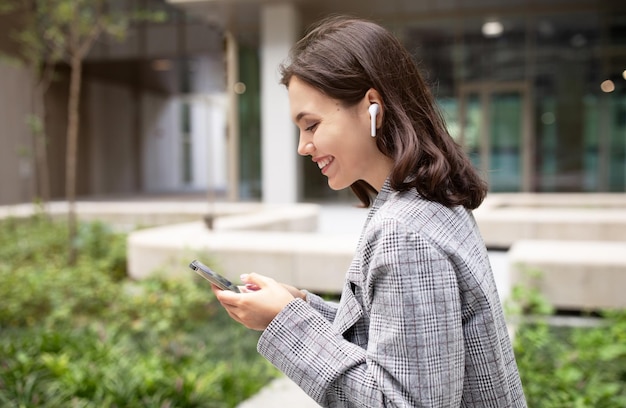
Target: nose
[(305, 146)]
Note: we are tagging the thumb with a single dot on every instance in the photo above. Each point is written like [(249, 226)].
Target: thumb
[(254, 279)]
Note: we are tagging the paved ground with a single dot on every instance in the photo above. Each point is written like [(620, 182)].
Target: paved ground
[(281, 393)]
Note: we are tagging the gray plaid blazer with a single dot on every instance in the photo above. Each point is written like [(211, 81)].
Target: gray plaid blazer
[(419, 323)]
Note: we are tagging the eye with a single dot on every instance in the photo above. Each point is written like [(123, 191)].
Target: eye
[(312, 127)]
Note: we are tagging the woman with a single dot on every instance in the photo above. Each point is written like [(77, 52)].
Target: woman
[(419, 323)]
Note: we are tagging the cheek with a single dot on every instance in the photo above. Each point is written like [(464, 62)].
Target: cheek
[(348, 140), (356, 158)]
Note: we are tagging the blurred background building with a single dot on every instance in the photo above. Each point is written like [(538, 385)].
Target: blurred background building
[(534, 90)]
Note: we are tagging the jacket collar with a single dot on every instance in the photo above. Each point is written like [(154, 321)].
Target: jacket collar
[(381, 198)]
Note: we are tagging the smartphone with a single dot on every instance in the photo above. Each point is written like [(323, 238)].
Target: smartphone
[(213, 277)]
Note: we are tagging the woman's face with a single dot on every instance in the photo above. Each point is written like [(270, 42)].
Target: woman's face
[(337, 137)]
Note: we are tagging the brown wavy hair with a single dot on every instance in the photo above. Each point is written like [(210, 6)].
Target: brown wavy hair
[(344, 57)]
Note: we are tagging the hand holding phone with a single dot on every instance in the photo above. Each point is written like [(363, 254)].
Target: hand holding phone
[(213, 277), (263, 300)]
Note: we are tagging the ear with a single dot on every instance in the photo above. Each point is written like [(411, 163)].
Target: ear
[(372, 96)]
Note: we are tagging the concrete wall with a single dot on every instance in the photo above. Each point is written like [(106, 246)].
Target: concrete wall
[(17, 173), (112, 149)]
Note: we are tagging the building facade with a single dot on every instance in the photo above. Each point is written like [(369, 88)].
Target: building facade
[(153, 114), (534, 91)]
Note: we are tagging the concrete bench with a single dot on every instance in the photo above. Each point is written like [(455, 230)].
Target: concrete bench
[(314, 261), (506, 218), (585, 270), (293, 218), (574, 275), (277, 241), (144, 212)]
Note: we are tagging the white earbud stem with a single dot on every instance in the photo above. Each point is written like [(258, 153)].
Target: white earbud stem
[(373, 109)]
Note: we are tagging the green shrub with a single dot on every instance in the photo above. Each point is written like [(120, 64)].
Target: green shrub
[(86, 336), (581, 366)]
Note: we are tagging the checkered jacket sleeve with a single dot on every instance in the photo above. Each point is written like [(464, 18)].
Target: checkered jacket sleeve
[(325, 308)]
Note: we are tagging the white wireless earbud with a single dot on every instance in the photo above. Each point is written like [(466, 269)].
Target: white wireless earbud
[(374, 109)]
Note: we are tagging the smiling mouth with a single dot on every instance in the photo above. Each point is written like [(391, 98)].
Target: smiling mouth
[(323, 163)]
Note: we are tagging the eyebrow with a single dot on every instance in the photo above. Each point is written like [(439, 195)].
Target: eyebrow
[(300, 115)]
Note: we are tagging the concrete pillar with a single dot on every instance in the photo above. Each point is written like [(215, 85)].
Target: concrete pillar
[(280, 29), (232, 77)]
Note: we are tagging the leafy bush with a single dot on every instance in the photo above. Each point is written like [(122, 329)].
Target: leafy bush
[(86, 336), (575, 366)]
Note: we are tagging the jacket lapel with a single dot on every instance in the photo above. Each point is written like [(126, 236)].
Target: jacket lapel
[(349, 311)]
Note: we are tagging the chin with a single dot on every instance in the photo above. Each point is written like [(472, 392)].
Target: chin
[(338, 186)]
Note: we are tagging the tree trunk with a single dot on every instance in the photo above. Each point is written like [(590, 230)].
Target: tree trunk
[(42, 158), (72, 153)]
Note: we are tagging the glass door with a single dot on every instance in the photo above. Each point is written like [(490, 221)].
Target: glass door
[(494, 130)]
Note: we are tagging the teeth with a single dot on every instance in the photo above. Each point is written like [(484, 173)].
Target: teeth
[(323, 163)]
